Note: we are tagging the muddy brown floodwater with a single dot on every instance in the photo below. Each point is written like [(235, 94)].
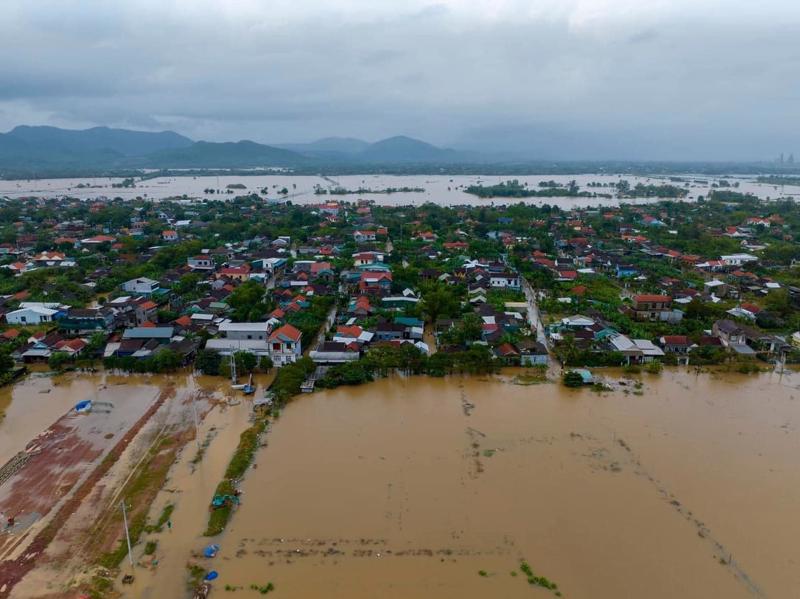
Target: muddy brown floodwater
[(392, 490), (409, 487)]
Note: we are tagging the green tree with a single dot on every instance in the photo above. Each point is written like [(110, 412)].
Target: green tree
[(208, 362), (247, 301), (572, 379), (777, 301), (6, 361), (439, 300), (58, 360), (245, 362)]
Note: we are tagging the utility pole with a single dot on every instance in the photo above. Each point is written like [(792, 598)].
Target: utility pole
[(127, 533)]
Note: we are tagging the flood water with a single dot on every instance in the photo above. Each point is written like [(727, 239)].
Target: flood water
[(409, 487), (36, 402), (441, 189), (402, 489)]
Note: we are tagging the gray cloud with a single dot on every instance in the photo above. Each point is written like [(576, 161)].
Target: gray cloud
[(698, 79)]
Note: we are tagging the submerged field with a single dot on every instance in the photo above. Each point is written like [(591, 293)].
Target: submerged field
[(401, 488), (439, 488)]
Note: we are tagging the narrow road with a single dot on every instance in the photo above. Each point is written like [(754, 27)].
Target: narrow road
[(533, 312)]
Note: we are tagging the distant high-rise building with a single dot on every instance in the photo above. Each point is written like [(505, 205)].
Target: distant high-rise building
[(791, 159)]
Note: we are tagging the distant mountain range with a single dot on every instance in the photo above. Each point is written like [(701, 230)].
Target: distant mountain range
[(43, 147), (27, 148)]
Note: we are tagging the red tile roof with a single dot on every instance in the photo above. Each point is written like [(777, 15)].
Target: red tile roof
[(183, 321), (287, 331), (676, 340), (651, 298), (351, 331)]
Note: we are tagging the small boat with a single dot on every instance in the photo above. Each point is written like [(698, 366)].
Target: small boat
[(83, 407), (211, 550), (249, 388)]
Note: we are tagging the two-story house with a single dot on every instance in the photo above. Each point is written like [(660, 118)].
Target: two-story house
[(141, 286), (730, 333), (82, 321), (650, 307), (285, 345), (251, 337), (377, 283)]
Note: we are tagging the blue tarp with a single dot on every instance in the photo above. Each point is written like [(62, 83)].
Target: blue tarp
[(83, 406)]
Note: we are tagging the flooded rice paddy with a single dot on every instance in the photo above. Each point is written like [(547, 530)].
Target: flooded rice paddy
[(439, 488), (442, 189), (392, 490)]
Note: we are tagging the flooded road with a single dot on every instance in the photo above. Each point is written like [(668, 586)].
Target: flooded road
[(400, 489)]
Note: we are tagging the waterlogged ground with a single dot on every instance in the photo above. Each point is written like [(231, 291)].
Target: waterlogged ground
[(65, 484), (442, 189), (410, 487)]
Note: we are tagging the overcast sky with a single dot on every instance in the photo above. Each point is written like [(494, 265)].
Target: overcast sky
[(694, 79)]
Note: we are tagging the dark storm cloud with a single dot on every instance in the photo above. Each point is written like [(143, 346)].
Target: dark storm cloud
[(556, 78)]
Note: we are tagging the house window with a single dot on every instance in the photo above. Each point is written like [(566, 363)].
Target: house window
[(276, 347)]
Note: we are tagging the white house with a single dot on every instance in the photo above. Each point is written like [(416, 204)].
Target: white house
[(283, 346), (363, 236), (635, 350), (365, 258), (577, 322), (31, 315), (245, 330), (226, 347), (738, 259), (504, 281), (140, 286), (200, 262)]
